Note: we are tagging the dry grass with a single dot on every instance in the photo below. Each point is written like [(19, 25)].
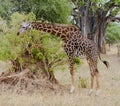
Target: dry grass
[(109, 82)]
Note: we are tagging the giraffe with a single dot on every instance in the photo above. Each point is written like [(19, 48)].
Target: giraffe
[(74, 45)]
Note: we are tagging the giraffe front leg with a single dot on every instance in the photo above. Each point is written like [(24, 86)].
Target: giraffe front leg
[(72, 89), (70, 53)]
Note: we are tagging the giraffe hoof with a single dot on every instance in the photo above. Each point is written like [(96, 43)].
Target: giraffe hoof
[(72, 89), (97, 93), (90, 91)]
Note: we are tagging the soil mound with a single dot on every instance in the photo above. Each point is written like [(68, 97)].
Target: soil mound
[(27, 81)]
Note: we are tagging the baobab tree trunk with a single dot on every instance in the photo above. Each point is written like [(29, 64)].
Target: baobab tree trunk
[(92, 21)]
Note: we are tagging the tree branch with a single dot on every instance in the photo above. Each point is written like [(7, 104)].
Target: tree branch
[(110, 4), (110, 7), (115, 19)]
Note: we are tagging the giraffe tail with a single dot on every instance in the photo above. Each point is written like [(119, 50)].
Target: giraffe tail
[(105, 62)]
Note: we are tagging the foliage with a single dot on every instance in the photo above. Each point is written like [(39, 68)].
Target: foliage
[(77, 61), (3, 26), (11, 45), (5, 8), (51, 10), (113, 34)]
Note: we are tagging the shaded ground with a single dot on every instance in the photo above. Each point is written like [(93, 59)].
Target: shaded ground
[(109, 83)]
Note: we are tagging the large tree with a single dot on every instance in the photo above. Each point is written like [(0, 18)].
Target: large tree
[(93, 16)]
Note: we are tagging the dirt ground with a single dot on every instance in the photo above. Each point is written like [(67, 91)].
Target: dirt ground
[(109, 88)]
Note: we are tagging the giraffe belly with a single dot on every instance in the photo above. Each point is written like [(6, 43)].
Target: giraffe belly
[(79, 53)]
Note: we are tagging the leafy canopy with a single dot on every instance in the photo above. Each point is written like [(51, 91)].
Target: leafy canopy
[(113, 33), (51, 10)]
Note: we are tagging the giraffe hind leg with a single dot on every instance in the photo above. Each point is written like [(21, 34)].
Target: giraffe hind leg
[(94, 74), (97, 82)]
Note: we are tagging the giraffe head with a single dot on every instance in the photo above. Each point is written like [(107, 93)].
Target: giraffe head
[(25, 26)]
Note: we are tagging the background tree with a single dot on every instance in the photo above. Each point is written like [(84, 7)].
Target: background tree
[(51, 10), (92, 17), (113, 34)]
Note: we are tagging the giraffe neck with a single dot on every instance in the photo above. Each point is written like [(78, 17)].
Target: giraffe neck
[(62, 31)]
